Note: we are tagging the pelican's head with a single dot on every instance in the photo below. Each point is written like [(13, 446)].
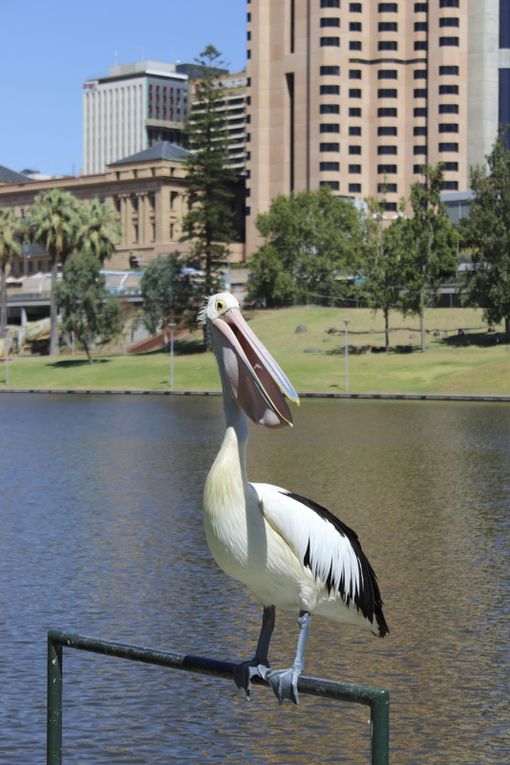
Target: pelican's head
[(249, 372)]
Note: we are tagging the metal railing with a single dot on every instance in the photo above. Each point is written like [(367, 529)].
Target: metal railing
[(377, 699)]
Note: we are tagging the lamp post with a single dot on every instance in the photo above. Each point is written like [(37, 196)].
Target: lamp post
[(171, 379), (346, 355)]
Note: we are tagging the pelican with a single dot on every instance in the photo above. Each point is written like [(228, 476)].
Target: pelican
[(291, 553)]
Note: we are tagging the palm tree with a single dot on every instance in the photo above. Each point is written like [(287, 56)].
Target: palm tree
[(10, 235), (100, 230), (56, 219)]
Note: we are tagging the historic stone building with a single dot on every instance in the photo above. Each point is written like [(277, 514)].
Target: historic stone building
[(147, 190)]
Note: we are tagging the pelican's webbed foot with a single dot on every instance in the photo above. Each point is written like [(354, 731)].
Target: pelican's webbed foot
[(246, 671), (284, 684)]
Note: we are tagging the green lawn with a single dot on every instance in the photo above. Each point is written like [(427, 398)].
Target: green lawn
[(471, 363)]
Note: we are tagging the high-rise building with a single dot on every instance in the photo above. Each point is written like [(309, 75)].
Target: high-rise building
[(134, 107), (359, 96)]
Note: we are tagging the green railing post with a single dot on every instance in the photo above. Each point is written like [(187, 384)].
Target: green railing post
[(54, 709), (380, 721)]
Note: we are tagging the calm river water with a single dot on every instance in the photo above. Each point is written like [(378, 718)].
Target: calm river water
[(101, 533)]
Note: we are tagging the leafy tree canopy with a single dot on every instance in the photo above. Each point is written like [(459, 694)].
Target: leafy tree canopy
[(87, 308), (168, 294), (11, 235), (487, 233), (311, 240), (209, 224)]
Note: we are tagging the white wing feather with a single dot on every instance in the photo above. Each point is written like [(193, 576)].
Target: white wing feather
[(328, 553)]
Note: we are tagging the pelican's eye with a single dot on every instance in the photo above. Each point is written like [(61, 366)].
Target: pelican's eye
[(220, 305)]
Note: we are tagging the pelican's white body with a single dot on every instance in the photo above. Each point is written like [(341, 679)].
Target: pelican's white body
[(259, 535)]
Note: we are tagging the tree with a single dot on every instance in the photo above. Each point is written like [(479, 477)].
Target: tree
[(167, 293), (380, 264), (209, 223), (10, 235), (87, 308), (99, 231), (311, 241), (56, 218), (487, 233), (428, 247)]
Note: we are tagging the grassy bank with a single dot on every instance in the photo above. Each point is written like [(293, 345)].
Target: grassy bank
[(471, 362)]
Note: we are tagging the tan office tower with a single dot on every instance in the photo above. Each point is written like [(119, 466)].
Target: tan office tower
[(360, 95)]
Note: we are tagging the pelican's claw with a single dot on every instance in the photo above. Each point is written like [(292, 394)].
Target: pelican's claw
[(245, 671), (284, 684)]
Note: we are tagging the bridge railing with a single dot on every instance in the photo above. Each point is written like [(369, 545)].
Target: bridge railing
[(375, 698)]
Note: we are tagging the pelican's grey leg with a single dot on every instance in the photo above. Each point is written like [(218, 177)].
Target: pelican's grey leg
[(259, 665), (284, 681)]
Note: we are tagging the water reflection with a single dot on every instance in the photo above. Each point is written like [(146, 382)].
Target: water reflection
[(102, 534)]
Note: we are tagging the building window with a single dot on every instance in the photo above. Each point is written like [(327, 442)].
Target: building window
[(420, 93), (421, 26), (333, 185), (448, 127), (329, 109), (355, 74), (329, 147), (387, 7), (333, 166), (420, 7), (355, 26), (418, 169), (421, 45), (420, 74), (420, 111), (387, 26), (354, 111), (387, 45), (449, 22), (386, 111), (354, 45), (387, 74), (329, 127), (420, 149), (449, 185), (386, 149), (387, 130), (355, 169), (448, 108), (333, 42), (354, 93), (448, 69), (355, 188), (387, 169), (354, 149), (387, 93), (355, 7), (448, 3), (387, 188), (330, 22), (450, 166), (330, 90), (330, 3), (448, 42), (420, 130), (448, 90), (448, 147), (390, 206), (355, 130), (330, 70)]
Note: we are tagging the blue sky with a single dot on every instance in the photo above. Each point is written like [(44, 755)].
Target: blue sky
[(50, 47)]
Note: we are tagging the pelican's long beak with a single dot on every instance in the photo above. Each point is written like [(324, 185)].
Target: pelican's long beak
[(254, 378)]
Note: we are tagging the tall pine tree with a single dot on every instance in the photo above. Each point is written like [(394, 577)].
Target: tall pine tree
[(209, 223)]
